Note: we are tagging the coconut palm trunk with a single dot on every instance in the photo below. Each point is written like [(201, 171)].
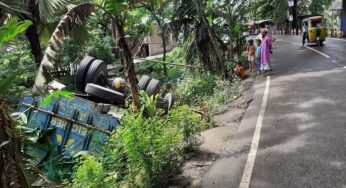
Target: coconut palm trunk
[(10, 170)]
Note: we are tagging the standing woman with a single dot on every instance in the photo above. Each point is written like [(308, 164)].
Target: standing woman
[(266, 47)]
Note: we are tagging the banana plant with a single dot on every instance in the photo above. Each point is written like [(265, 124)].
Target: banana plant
[(12, 28)]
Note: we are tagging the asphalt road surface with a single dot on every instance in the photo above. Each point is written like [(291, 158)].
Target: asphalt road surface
[(302, 140)]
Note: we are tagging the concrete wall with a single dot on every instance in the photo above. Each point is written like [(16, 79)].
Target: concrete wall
[(155, 42)]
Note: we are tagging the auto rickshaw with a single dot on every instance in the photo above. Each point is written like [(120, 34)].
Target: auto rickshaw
[(317, 30)]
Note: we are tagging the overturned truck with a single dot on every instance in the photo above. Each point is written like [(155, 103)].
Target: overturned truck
[(69, 125)]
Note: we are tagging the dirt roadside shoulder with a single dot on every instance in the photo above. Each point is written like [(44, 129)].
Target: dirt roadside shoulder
[(215, 142)]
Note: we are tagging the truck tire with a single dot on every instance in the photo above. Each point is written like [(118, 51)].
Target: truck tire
[(143, 82), (105, 93), (153, 87), (171, 100), (97, 73), (82, 72), (162, 103)]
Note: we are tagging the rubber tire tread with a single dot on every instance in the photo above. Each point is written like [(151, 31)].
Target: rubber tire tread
[(82, 72), (171, 99), (94, 71), (105, 93), (153, 87), (144, 82)]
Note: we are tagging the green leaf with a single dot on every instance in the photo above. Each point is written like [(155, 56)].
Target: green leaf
[(10, 30), (6, 82), (209, 4), (210, 20), (15, 7), (55, 94)]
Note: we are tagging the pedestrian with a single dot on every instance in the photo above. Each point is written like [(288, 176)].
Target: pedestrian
[(266, 47), (251, 50), (240, 71), (318, 31), (305, 33), (258, 57)]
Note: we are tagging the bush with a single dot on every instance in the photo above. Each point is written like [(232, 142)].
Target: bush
[(97, 46), (174, 72), (12, 59), (192, 90), (89, 174), (102, 48), (224, 92), (144, 151), (209, 90)]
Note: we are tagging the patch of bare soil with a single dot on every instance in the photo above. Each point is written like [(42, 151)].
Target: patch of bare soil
[(214, 141)]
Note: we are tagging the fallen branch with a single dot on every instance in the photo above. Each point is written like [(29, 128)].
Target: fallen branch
[(168, 63)]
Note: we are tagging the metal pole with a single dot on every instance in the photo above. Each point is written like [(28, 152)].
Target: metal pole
[(332, 31), (295, 16)]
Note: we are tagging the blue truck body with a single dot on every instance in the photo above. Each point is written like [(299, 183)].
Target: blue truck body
[(77, 123)]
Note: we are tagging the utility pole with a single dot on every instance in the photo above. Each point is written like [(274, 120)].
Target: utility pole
[(294, 24)]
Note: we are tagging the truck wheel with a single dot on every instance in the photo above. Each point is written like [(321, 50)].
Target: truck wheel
[(105, 93), (82, 72), (162, 103), (171, 100), (143, 82), (153, 87), (97, 73)]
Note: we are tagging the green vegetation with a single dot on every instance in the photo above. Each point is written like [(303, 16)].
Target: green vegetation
[(277, 9), (147, 147), (143, 152)]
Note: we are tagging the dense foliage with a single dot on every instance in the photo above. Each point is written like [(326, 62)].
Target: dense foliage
[(143, 152), (11, 172), (277, 9), (147, 147)]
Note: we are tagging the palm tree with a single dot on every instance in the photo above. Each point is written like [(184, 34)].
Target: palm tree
[(71, 21)]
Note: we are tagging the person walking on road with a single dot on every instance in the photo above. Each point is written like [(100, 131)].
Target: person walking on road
[(305, 33), (266, 47)]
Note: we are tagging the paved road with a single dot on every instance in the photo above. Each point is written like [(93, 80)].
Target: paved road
[(303, 135)]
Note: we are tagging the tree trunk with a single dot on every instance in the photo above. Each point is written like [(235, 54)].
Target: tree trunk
[(2, 17), (32, 34), (220, 64), (164, 52), (115, 39), (11, 174), (128, 62), (163, 31)]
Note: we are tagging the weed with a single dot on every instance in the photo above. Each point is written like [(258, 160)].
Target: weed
[(143, 152)]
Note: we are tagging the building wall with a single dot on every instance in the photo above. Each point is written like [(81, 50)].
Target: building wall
[(155, 42)]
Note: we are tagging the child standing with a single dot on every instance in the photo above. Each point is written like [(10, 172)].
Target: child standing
[(258, 57), (251, 55)]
